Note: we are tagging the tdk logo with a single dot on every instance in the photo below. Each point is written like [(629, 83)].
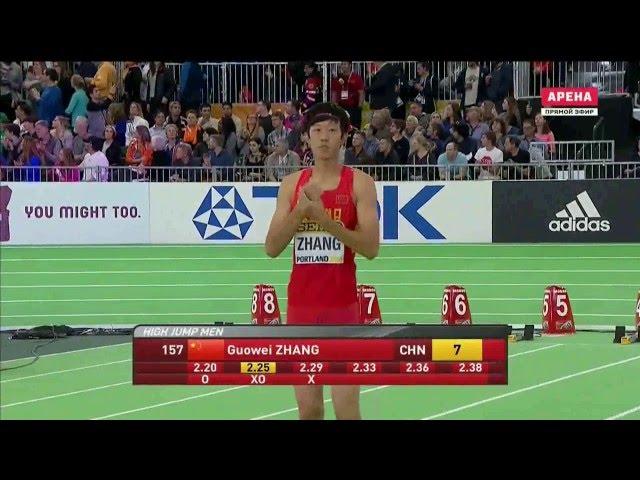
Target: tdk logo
[(409, 211), (576, 219), (222, 215), (390, 210)]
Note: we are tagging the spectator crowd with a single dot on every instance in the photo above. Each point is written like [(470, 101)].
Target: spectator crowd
[(74, 125)]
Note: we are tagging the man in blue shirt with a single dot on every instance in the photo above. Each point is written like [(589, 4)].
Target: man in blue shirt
[(219, 159), (452, 164), (49, 103)]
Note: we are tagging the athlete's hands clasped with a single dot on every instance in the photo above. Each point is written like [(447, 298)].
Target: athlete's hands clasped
[(310, 203)]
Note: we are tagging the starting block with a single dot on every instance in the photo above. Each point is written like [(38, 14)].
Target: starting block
[(368, 305), (455, 306), (623, 338), (264, 306), (557, 315), (527, 335)]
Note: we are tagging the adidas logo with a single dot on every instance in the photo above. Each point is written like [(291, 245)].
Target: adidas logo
[(580, 215)]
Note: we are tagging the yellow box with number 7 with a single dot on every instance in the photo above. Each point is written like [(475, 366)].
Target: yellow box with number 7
[(450, 350)]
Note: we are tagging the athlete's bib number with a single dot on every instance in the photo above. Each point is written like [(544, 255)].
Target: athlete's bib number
[(317, 247)]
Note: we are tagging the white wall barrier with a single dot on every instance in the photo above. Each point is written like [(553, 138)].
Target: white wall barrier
[(190, 213), (74, 213), (411, 212)]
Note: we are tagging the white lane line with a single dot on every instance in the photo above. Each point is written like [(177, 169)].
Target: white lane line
[(288, 259), (204, 314), (555, 345), (326, 400), (438, 245), (625, 413), (102, 387), (398, 284), (148, 407), (65, 371), (532, 387), (70, 351), (262, 417), (235, 299), (288, 270)]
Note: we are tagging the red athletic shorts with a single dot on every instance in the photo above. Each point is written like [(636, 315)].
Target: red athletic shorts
[(349, 315)]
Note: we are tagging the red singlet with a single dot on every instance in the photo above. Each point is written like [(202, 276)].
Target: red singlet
[(322, 289)]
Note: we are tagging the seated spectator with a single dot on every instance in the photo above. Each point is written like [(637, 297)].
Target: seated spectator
[(466, 145), (95, 164), (281, 162), (161, 159), (111, 148), (185, 166), (206, 120), (157, 130), (62, 131), (423, 157), (203, 146), (489, 112), (28, 126), (278, 133), (385, 158), (117, 118), (545, 135), (381, 120), (139, 154), (435, 133), (452, 165), (174, 118), (410, 126), (371, 142), (415, 109), (192, 133), (292, 122), (356, 154), (303, 149), (400, 142), (11, 143), (229, 138), (22, 111), (30, 158), (97, 112), (135, 120), (516, 160), (476, 127), (49, 103), (218, 158), (67, 170), (81, 139), (529, 134), (451, 116), (47, 146), (500, 129), (253, 162), (490, 157), (79, 100), (172, 139), (251, 131), (227, 112), (510, 107), (264, 117)]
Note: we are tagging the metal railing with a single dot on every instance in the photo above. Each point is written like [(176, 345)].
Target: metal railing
[(536, 170), (576, 150), (530, 77)]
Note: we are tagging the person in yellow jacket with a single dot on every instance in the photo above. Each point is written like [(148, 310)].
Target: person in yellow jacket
[(105, 80)]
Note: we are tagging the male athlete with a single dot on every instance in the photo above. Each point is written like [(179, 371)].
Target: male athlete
[(330, 212)]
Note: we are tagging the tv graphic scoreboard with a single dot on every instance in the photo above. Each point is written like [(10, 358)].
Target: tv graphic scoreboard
[(410, 354)]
